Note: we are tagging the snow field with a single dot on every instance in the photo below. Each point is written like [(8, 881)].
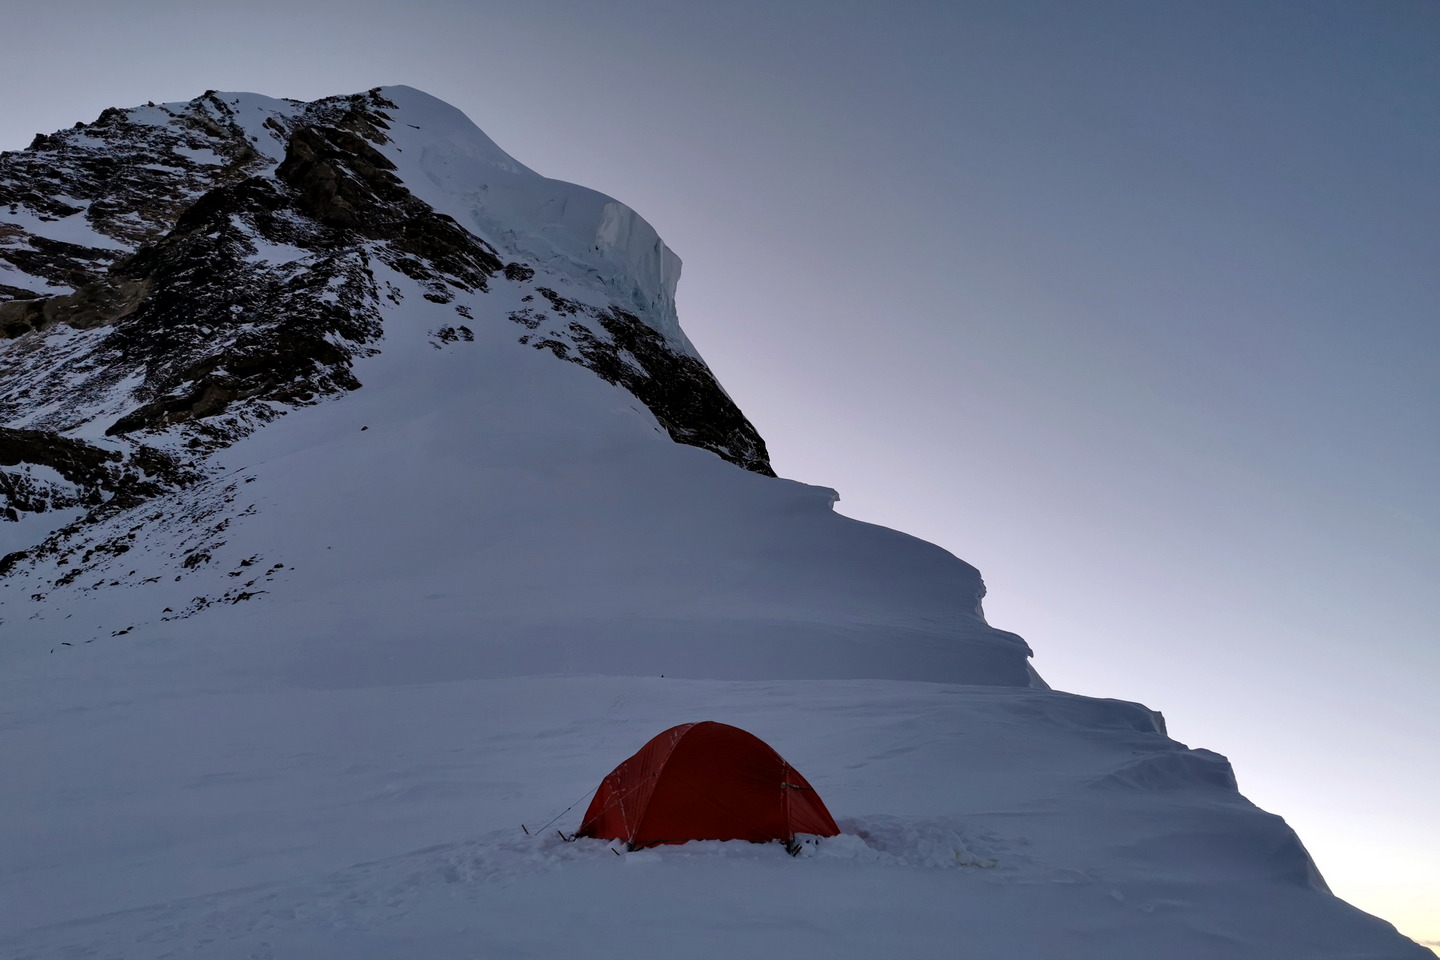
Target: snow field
[(197, 814)]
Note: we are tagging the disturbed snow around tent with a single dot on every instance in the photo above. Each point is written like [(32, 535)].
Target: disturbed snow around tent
[(1020, 823)]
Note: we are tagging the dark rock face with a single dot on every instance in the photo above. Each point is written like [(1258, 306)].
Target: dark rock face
[(206, 324), (102, 481), (133, 178), (342, 181), (221, 326), (202, 289), (139, 473), (680, 390), (77, 461), (94, 304), (622, 349)]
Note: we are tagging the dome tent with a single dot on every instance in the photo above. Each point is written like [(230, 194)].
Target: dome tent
[(705, 781)]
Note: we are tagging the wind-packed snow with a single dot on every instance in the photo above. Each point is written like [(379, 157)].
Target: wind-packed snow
[(261, 814), (27, 527), (33, 527), (306, 709), (74, 229), (8, 272)]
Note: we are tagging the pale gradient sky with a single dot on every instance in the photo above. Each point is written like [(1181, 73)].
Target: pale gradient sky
[(1134, 305)]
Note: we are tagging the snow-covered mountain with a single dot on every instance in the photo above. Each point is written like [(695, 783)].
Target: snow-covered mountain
[(364, 500)]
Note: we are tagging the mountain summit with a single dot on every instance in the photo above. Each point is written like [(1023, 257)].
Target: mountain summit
[(226, 259), (364, 500)]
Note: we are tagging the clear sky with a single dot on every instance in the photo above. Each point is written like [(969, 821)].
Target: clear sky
[(1134, 305)]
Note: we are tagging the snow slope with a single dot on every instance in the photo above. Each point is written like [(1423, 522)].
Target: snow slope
[(307, 707)]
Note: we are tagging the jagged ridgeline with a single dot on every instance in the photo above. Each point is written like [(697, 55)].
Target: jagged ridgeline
[(174, 276)]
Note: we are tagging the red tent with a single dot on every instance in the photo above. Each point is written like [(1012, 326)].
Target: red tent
[(705, 781)]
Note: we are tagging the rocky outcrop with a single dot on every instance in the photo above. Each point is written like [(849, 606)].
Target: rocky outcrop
[(121, 181), (77, 461), (680, 390), (223, 323), (207, 321), (94, 304), (103, 481), (622, 349), (342, 181)]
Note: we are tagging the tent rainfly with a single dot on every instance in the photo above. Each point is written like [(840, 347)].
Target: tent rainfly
[(705, 781)]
